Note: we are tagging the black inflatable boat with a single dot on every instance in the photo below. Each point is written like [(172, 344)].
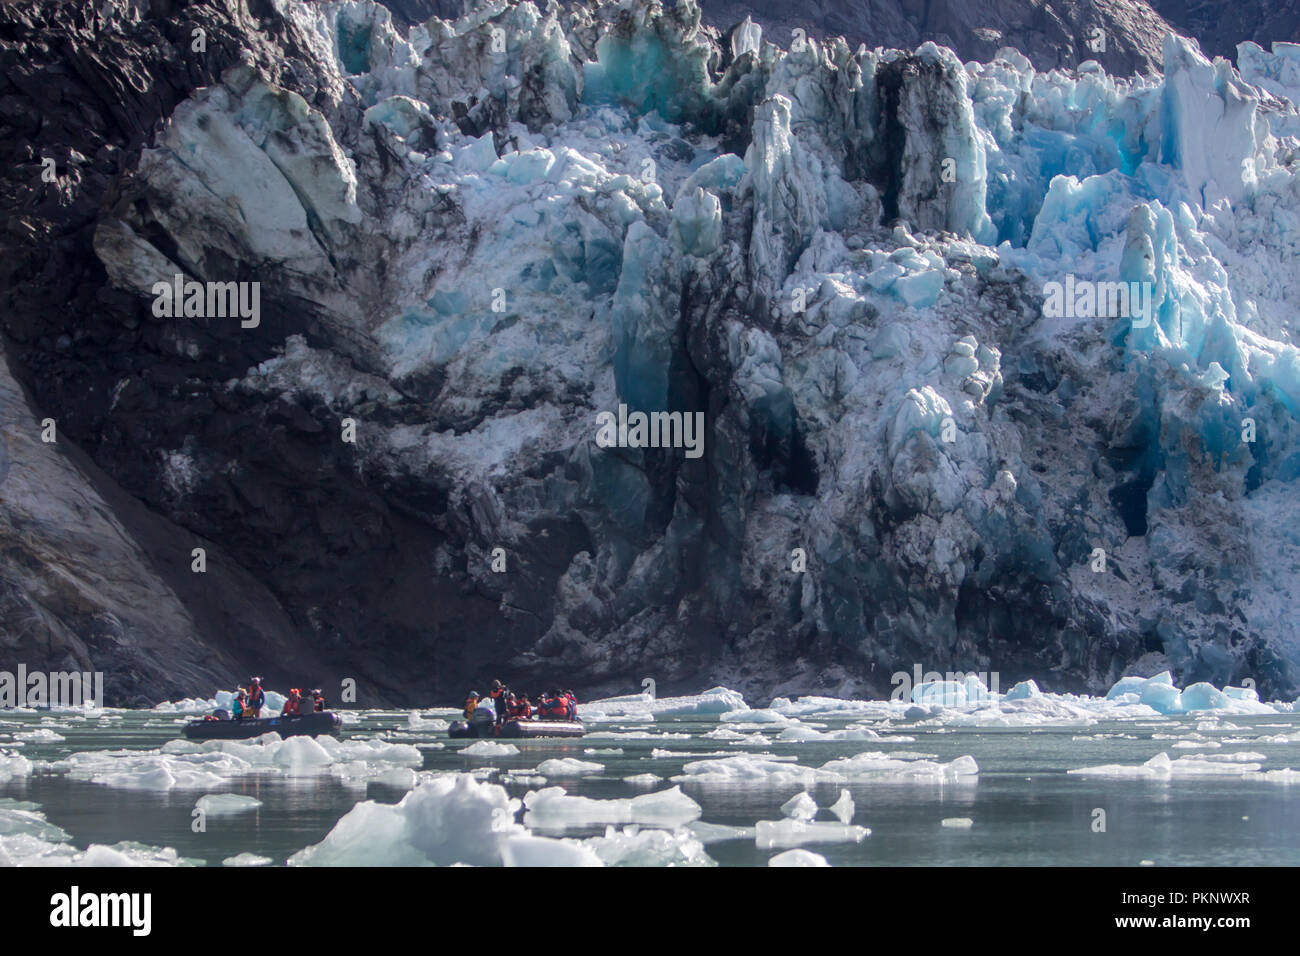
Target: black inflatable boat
[(325, 722), (519, 728)]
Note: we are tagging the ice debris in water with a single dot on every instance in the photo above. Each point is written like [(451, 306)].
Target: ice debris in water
[(489, 748), (957, 823), (798, 857), (712, 703), (1160, 694), (543, 851), (454, 818), (1161, 767), (644, 780), (568, 767), (416, 721), (553, 809), (447, 819), (800, 807), (187, 765), (635, 846), (844, 808), (223, 804), (769, 834), (28, 839), (755, 770)]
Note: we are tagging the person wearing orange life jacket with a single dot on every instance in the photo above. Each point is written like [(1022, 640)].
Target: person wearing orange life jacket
[(498, 694), (571, 705), (290, 708), (520, 708), (553, 707), (256, 698), (471, 704), (239, 706)]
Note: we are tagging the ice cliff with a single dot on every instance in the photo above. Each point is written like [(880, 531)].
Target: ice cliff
[(474, 236)]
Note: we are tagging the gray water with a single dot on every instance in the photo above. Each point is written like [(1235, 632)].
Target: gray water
[(1025, 809)]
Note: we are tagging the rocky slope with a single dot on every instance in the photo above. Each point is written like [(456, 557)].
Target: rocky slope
[(472, 238)]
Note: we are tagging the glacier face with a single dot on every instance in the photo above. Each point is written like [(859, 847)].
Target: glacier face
[(477, 236)]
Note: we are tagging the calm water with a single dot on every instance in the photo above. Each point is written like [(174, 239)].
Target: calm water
[(1026, 810)]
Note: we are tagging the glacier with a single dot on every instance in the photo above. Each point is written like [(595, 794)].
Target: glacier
[(503, 225)]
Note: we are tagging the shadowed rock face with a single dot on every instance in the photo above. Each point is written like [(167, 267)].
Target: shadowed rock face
[(466, 251), (1052, 34), (1219, 27)]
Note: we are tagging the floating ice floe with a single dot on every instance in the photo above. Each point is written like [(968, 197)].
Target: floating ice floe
[(226, 804), (769, 834), (41, 735), (708, 833), (14, 765), (1160, 694), (798, 857), (247, 859), (189, 765), (447, 819), (554, 809), (800, 807), (711, 704), (957, 823), (28, 839), (644, 780), (1160, 767), (531, 851), (415, 721), (874, 765), (633, 846), (568, 767), (844, 808), (489, 748)]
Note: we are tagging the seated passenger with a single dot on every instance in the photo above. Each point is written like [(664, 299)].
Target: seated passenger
[(520, 708), (239, 706), (290, 708), (317, 700), (471, 702), (553, 707), (571, 705)]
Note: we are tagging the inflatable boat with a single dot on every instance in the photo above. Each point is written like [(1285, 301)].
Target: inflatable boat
[(519, 728), (324, 722)]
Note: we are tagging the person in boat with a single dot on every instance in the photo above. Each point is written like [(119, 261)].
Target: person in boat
[(471, 702), (318, 700), (520, 707), (239, 706), (290, 708), (256, 698), (553, 707), (498, 695), (571, 705), (306, 702)]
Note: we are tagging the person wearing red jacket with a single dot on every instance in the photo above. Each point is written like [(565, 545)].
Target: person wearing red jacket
[(290, 708), (520, 707), (553, 707)]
